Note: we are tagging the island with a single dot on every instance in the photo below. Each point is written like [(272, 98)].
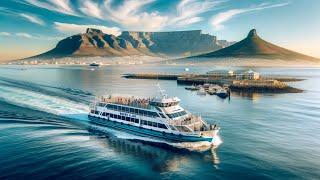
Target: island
[(240, 80)]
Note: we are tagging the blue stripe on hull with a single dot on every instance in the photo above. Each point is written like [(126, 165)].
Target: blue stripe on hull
[(148, 132)]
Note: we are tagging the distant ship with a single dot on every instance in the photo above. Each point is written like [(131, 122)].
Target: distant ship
[(94, 64), (160, 117)]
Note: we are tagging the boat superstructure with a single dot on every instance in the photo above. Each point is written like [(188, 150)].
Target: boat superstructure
[(158, 116)]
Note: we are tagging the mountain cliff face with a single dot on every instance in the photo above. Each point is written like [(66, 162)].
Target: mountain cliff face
[(255, 47), (172, 43), (96, 43)]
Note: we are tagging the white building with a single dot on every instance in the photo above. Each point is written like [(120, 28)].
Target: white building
[(220, 73), (251, 75)]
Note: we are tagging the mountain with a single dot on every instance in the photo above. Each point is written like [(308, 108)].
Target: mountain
[(255, 47), (96, 43)]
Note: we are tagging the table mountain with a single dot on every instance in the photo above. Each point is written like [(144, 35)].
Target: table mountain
[(96, 43)]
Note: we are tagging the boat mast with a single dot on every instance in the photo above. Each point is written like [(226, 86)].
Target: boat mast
[(160, 91)]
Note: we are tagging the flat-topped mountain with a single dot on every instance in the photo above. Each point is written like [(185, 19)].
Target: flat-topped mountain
[(255, 47), (96, 43)]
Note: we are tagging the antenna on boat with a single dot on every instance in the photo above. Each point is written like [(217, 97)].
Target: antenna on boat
[(160, 91)]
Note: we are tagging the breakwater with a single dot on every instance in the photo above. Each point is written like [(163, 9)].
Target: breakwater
[(268, 85)]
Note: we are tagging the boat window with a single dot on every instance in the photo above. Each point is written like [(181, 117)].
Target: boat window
[(158, 109), (177, 114), (111, 115), (107, 114), (162, 115), (161, 126), (149, 123), (131, 119), (171, 127), (144, 122), (128, 119), (123, 109), (136, 120), (96, 112), (154, 124), (131, 110), (103, 114), (123, 117)]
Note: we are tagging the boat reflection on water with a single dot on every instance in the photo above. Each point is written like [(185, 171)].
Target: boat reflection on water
[(162, 156)]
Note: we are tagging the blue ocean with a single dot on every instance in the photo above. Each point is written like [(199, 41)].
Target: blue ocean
[(45, 132)]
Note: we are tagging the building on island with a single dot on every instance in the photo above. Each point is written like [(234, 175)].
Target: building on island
[(250, 75), (220, 73), (238, 74)]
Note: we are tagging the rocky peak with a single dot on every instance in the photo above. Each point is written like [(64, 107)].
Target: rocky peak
[(252, 33), (94, 31)]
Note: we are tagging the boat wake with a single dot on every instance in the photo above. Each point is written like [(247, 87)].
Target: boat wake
[(43, 102)]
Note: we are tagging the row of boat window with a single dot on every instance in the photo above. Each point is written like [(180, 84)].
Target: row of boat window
[(177, 114), (131, 119), (134, 111), (163, 104)]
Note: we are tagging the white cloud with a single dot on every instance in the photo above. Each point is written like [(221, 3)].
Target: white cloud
[(76, 28), (61, 6), (130, 14), (92, 9), (24, 35), (218, 20), (36, 36), (32, 18), (189, 21), (5, 34), (188, 10)]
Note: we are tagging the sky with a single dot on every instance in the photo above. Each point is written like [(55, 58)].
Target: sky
[(31, 27)]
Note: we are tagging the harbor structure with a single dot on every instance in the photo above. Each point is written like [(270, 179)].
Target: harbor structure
[(238, 74), (220, 73)]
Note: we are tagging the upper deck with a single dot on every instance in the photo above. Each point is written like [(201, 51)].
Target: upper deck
[(142, 103)]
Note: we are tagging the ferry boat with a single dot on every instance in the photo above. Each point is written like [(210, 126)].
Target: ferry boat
[(160, 117)]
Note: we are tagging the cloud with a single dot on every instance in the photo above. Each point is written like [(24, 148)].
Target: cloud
[(32, 18), (5, 34), (24, 35), (36, 36), (92, 9), (218, 20), (61, 6), (76, 28), (132, 14), (188, 10), (189, 21)]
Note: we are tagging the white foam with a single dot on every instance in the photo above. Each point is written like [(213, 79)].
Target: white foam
[(42, 102)]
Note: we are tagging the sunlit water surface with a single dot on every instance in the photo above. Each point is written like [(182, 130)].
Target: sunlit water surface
[(45, 132)]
